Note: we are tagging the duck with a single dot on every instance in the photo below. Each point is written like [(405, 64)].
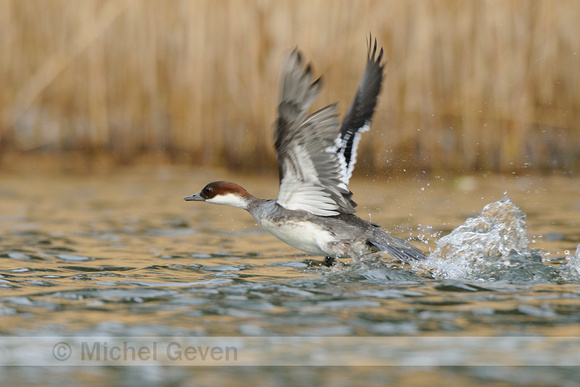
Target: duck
[(316, 155)]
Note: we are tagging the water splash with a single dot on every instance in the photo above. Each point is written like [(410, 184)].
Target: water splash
[(571, 270), (491, 246)]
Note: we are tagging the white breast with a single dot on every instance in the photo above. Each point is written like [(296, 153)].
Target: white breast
[(304, 236)]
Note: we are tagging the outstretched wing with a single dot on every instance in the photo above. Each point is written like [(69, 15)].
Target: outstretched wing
[(360, 112), (310, 174)]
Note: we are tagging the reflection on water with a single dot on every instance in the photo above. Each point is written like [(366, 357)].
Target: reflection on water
[(124, 255)]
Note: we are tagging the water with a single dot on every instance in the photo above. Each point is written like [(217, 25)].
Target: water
[(121, 255)]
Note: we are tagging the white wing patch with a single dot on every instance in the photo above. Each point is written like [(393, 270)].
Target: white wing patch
[(301, 188), (340, 146), (307, 197), (353, 152)]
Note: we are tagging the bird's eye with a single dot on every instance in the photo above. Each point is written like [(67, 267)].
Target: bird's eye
[(207, 191)]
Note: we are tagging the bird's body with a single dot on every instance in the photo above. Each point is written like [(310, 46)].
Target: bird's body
[(314, 211)]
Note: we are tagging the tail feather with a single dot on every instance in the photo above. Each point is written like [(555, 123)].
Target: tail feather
[(398, 248)]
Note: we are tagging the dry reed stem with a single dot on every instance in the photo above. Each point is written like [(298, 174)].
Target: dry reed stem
[(470, 84)]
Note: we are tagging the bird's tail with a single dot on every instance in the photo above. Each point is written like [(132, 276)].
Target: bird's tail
[(398, 248)]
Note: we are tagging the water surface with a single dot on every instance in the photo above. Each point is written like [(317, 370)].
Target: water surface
[(122, 255)]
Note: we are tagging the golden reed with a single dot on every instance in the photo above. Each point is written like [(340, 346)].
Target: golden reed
[(484, 85)]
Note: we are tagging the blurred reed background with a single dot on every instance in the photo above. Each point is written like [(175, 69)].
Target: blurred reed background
[(471, 85)]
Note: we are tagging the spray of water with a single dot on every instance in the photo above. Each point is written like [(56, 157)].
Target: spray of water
[(491, 246)]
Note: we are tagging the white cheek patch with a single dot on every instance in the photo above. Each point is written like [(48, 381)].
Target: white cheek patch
[(229, 200)]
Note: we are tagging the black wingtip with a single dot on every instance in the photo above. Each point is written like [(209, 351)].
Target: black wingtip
[(318, 82), (372, 51), (296, 53)]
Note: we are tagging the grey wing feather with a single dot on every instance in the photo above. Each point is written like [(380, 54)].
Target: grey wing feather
[(310, 176)]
